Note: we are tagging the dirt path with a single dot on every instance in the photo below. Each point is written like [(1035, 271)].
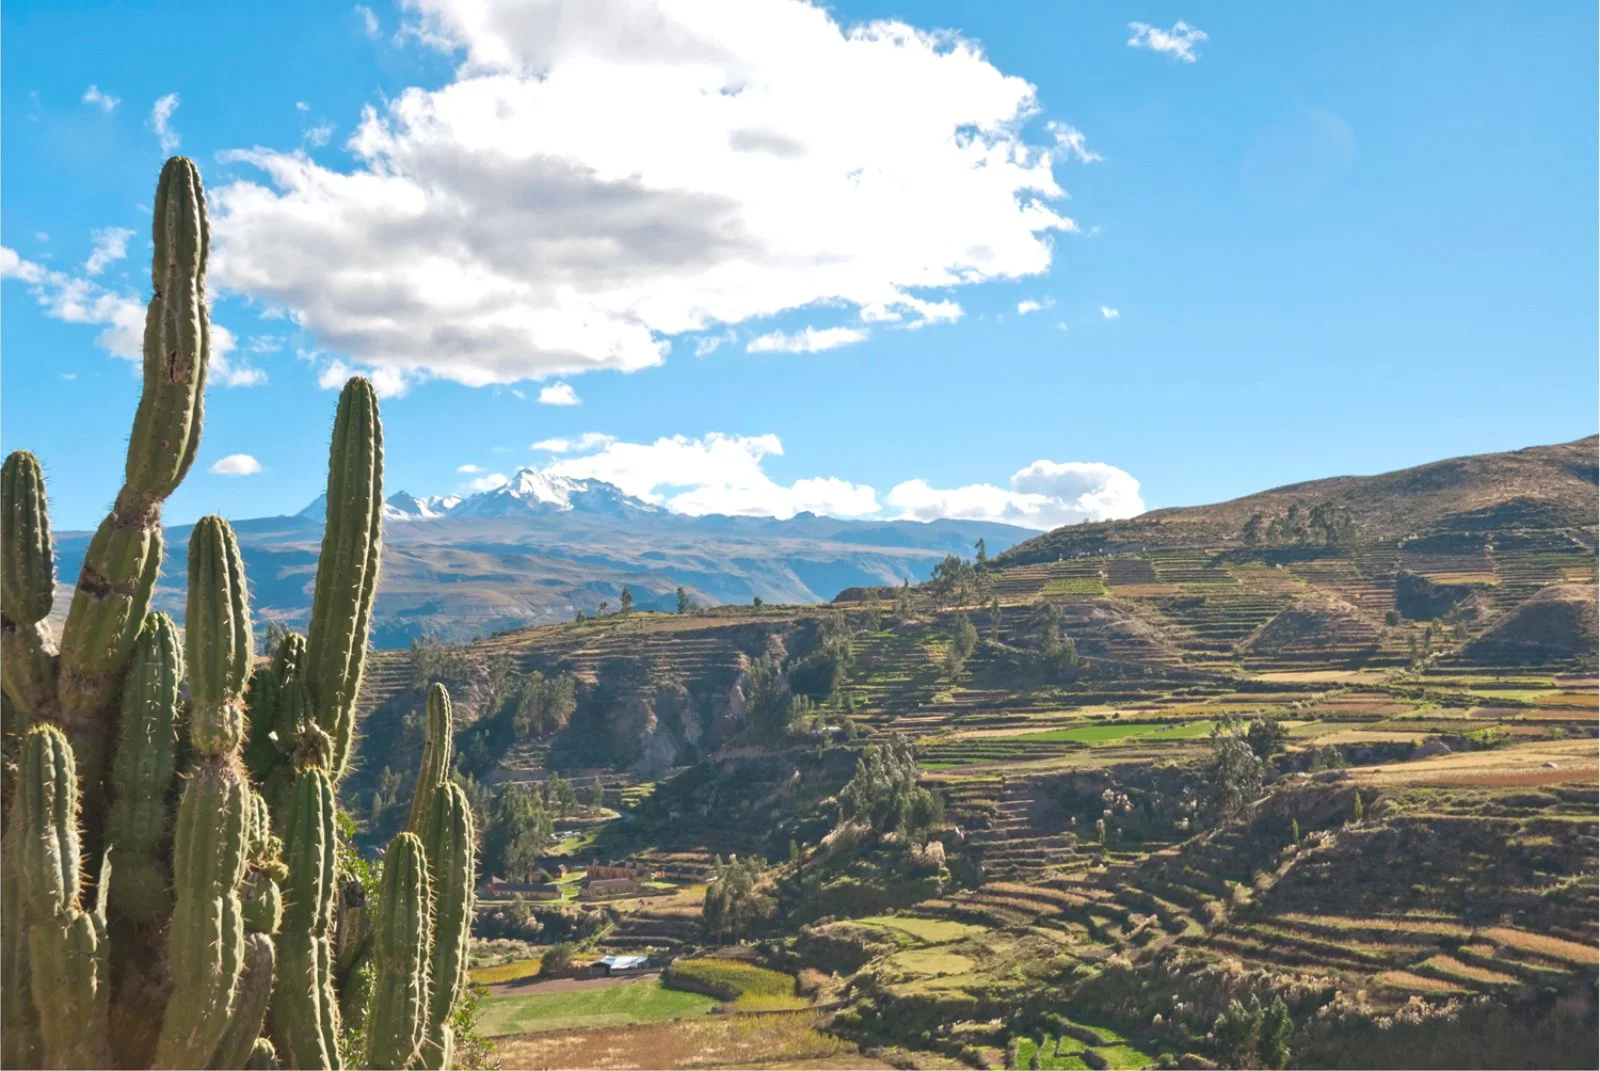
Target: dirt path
[(527, 987)]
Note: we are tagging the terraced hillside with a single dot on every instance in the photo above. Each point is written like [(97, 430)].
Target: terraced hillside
[(1414, 879)]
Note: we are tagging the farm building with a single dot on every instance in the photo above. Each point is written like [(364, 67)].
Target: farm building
[(595, 890), (496, 889), (607, 871), (611, 966)]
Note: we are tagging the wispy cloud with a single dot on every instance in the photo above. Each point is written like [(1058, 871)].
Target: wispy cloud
[(489, 482), (369, 21), (806, 340), (161, 122), (236, 465), (318, 135), (1179, 41), (110, 246), (589, 440), (1109, 313), (105, 101), (1071, 141), (1030, 305), (469, 468), (558, 394)]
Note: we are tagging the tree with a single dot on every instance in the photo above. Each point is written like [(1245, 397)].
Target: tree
[(597, 793), (1236, 1032), (1235, 774), (904, 604), (545, 704), (1254, 529), (626, 607), (954, 580), (963, 641), (1266, 737), (605, 604), (518, 831), (1277, 1027), (874, 614), (982, 552), (756, 602), (557, 958), (737, 900), (684, 605), (559, 796), (994, 619), (884, 792)]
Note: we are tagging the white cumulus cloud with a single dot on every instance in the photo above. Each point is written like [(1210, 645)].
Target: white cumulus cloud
[(105, 101), (236, 465), (1178, 41), (161, 122), (489, 482), (558, 394), (1030, 305), (1045, 494), (715, 474), (602, 176), (468, 468), (1109, 313), (77, 300), (110, 246)]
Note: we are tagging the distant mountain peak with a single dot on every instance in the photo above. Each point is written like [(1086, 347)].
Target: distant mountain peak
[(532, 491), (402, 506)]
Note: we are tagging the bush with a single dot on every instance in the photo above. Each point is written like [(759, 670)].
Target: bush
[(558, 958)]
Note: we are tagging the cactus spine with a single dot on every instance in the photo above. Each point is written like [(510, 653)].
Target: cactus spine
[(192, 944), (347, 575)]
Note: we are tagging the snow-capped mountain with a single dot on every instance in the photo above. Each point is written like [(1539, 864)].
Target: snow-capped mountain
[(401, 506), (528, 493), (535, 492)]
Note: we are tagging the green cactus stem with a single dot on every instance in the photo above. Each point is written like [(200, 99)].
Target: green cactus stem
[(399, 1016), (217, 637), (28, 567), (141, 774), (19, 1024), (347, 573), (450, 845), (304, 1023), (47, 824), (206, 940), (67, 958), (249, 1006), (263, 1057), (436, 756)]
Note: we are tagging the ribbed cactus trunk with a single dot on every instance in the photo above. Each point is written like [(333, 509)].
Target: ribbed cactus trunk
[(136, 934)]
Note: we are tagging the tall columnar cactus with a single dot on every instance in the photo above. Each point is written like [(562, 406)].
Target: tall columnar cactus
[(448, 839), (341, 604), (438, 742), (400, 998), (134, 933)]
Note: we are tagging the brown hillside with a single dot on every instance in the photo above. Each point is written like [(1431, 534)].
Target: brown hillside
[(1540, 487), (1557, 623)]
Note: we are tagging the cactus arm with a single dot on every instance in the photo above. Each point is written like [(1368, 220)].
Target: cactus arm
[(396, 1025), (347, 573), (435, 756), (205, 944), (217, 637), (27, 587), (124, 557), (302, 999), (249, 1006), (141, 774), (28, 668), (47, 816), (450, 846), (68, 962), (28, 567), (19, 1024)]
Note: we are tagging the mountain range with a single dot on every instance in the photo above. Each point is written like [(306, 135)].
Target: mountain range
[(541, 548)]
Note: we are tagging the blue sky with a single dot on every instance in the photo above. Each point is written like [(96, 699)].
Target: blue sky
[(1337, 238)]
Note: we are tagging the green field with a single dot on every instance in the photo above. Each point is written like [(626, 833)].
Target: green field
[(928, 931), (1104, 732), (580, 1009)]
